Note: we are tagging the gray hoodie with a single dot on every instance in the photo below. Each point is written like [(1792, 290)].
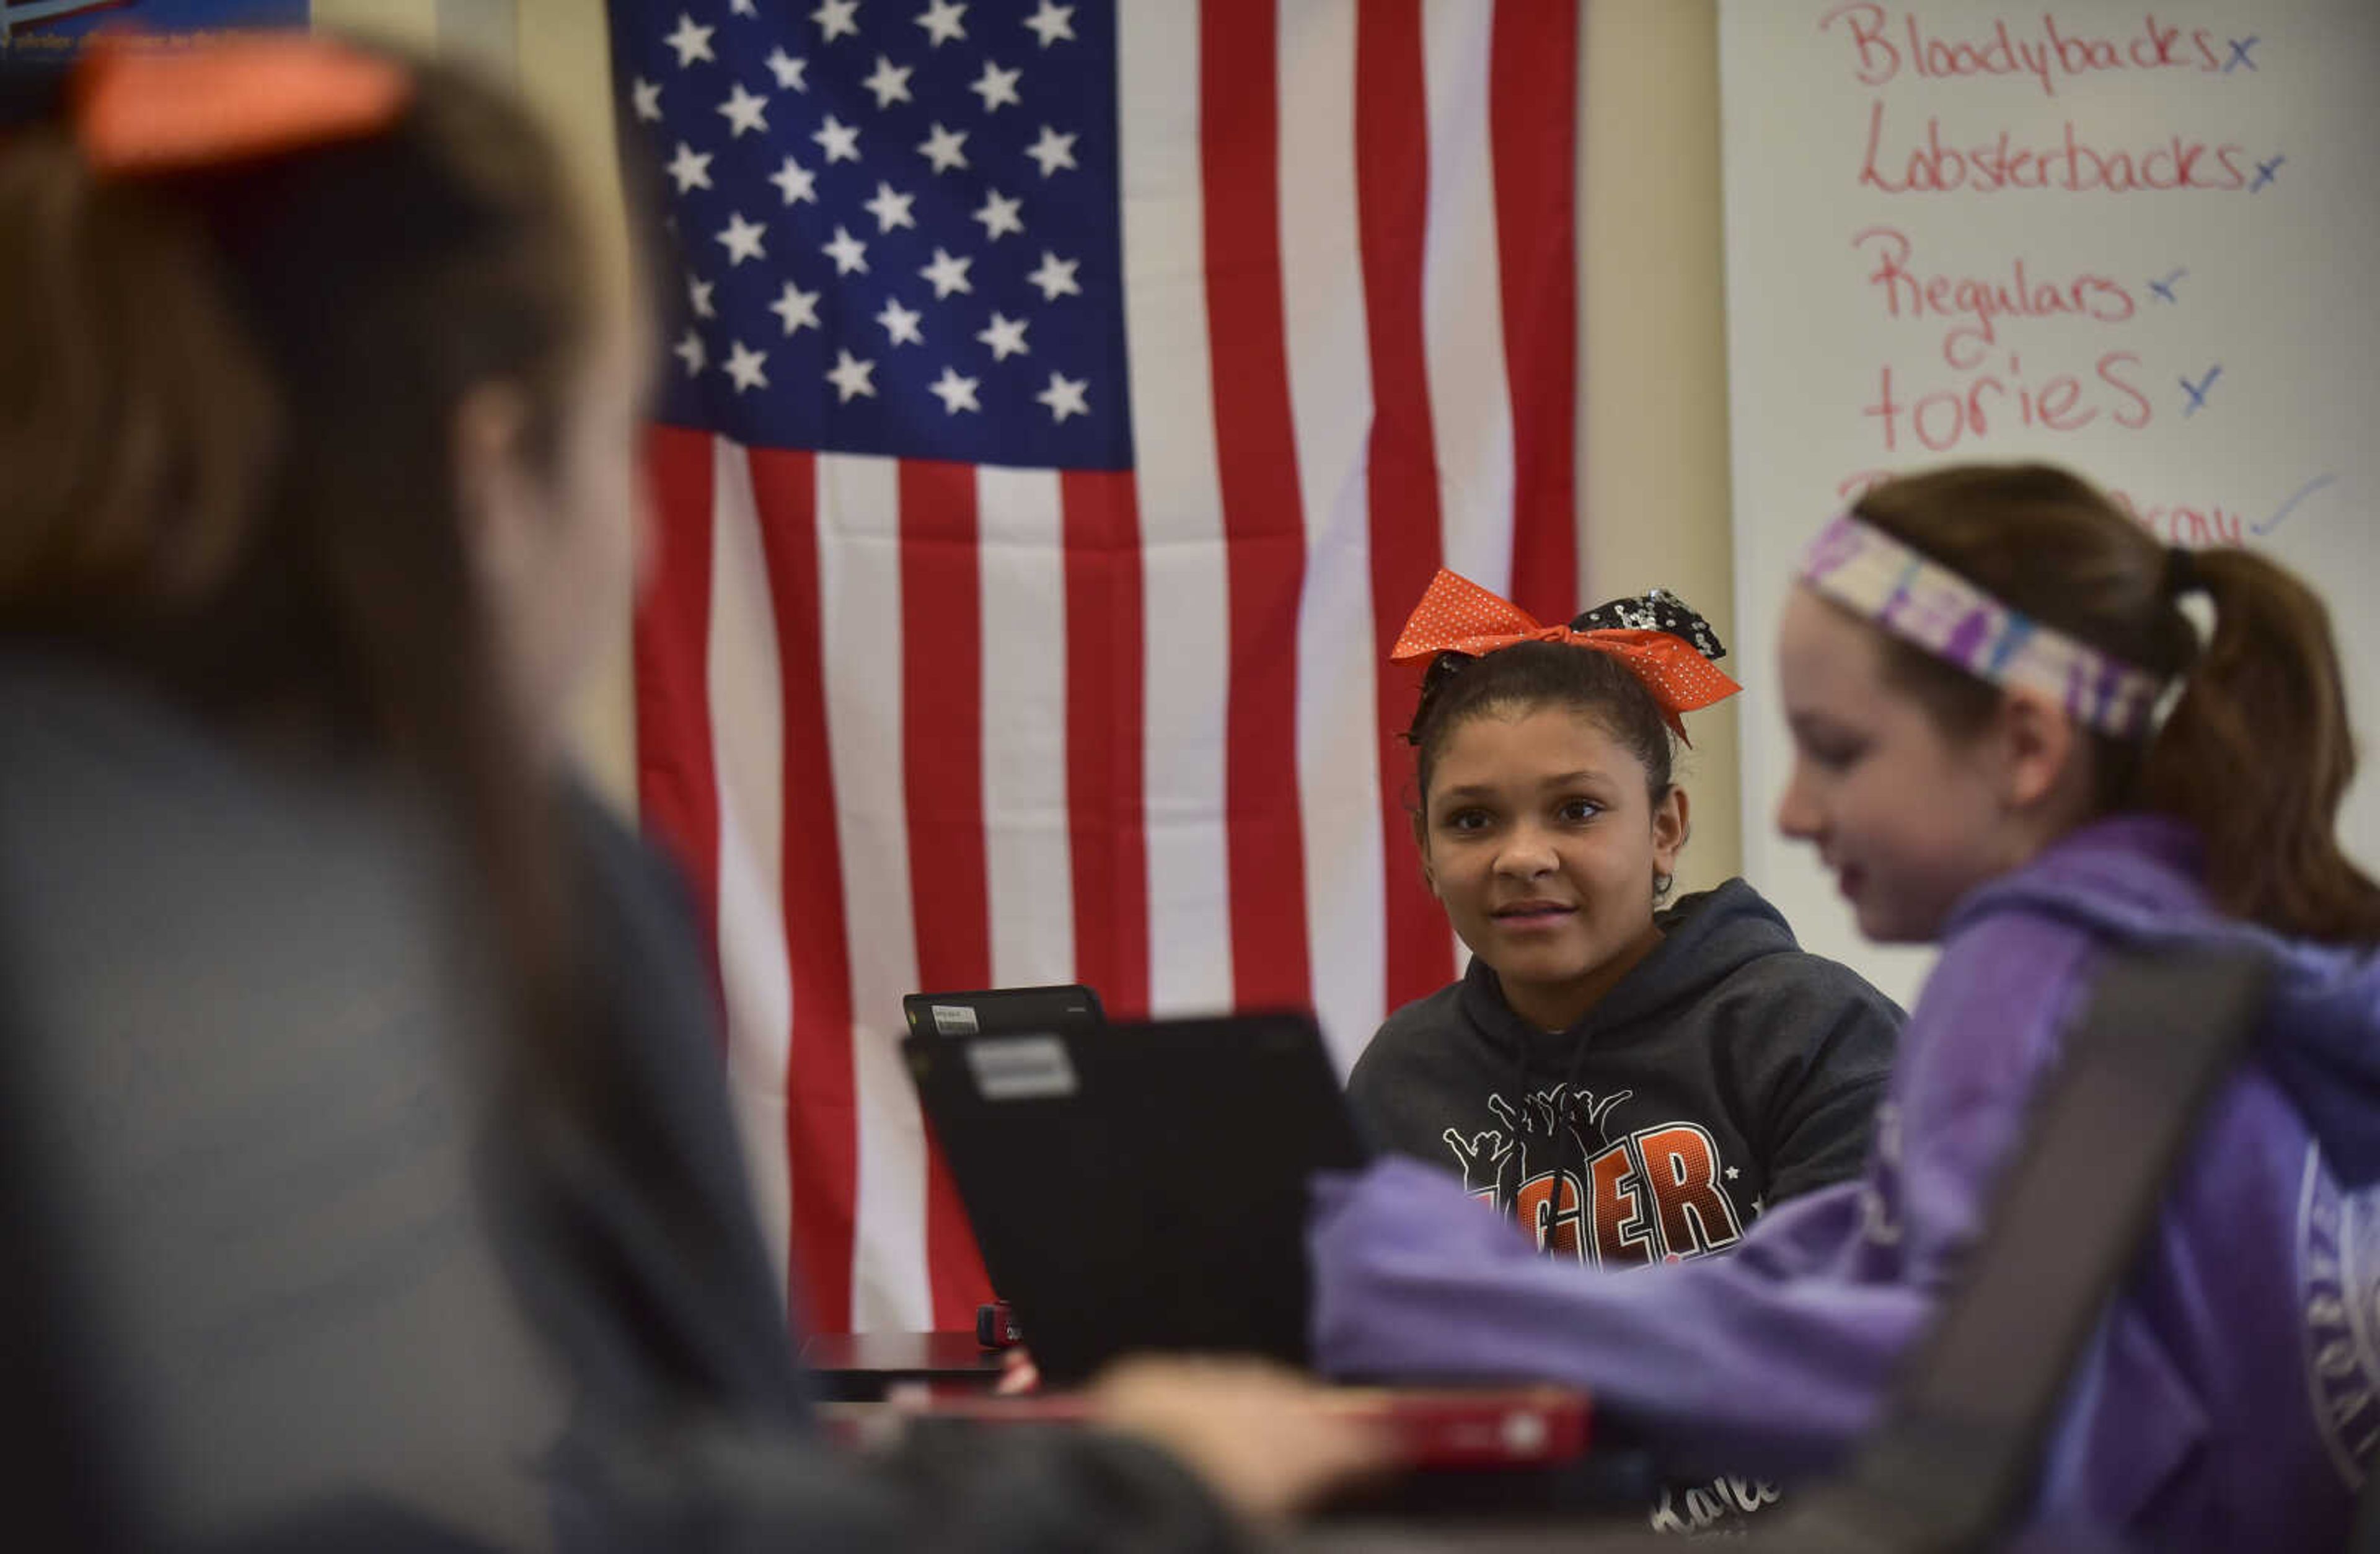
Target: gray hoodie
[(1728, 1072)]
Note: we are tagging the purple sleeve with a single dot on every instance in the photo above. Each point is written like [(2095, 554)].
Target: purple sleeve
[(1772, 1357), (1988, 1027)]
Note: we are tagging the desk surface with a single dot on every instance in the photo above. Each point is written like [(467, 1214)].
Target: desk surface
[(861, 1365)]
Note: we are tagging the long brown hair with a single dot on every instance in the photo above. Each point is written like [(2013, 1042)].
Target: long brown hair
[(2257, 752), (228, 399)]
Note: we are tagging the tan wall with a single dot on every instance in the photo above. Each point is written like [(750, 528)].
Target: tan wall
[(412, 21), (1653, 449), (566, 69), (1653, 421)]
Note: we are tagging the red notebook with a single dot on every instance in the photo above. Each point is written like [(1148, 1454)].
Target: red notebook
[(1434, 1427)]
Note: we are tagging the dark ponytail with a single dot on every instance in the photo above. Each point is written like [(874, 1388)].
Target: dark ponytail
[(2256, 752)]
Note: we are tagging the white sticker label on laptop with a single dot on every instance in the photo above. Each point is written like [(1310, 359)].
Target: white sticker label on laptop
[(954, 1019), (1022, 1068)]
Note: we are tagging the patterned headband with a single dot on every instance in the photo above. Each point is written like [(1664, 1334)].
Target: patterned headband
[(1878, 578), (1665, 645)]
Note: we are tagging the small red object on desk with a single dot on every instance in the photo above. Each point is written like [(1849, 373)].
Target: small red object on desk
[(995, 1326)]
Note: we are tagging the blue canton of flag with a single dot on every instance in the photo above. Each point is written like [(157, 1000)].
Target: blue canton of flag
[(899, 230)]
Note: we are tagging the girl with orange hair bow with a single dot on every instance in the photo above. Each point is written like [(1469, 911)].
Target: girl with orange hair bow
[(1634, 1082)]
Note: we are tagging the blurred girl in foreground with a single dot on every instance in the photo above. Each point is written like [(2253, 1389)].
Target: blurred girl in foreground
[(317, 426)]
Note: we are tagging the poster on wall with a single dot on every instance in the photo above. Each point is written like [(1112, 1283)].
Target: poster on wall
[(47, 34)]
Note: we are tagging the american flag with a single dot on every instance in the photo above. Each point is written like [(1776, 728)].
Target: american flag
[(1066, 404)]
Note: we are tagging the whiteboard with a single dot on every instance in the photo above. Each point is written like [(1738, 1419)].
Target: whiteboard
[(2143, 242)]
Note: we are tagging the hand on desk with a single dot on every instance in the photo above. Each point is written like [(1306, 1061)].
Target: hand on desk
[(1019, 1374), (1263, 1437)]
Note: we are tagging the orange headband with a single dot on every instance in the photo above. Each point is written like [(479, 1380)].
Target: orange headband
[(1456, 615), (141, 106)]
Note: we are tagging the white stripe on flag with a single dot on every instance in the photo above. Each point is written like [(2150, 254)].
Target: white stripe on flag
[(1185, 605), (859, 570), (1463, 314), (1330, 409), (1028, 852), (746, 721)]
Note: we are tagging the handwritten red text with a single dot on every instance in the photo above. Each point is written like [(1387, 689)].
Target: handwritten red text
[(2054, 52), (1976, 405), (1927, 166), (1976, 303)]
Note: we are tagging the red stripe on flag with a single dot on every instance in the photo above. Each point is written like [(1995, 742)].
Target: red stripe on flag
[(1533, 117), (1392, 211), (1239, 143), (821, 1122), (677, 783), (942, 759), (1104, 787)]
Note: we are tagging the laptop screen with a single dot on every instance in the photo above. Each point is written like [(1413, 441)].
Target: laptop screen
[(1141, 1186)]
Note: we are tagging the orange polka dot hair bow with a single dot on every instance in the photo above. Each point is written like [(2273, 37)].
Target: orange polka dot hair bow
[(1666, 646), (143, 106)]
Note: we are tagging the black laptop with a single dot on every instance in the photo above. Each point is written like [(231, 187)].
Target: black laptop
[(1141, 1186)]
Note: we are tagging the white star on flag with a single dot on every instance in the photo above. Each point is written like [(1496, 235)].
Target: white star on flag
[(891, 209), (838, 139), (850, 377), (889, 83), (744, 111), (797, 308), (689, 168), (941, 21), (1056, 276), (691, 43), (944, 148), (948, 274), (647, 97), (788, 70), (742, 238), (743, 366), (1064, 397), (847, 252), (1005, 337), (996, 85), (955, 393), (743, 8), (698, 296), (689, 350), (833, 18), (999, 215), (1053, 151), (1052, 22), (796, 181), (901, 323)]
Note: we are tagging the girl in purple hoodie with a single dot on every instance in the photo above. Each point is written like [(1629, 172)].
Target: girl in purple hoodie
[(1973, 668)]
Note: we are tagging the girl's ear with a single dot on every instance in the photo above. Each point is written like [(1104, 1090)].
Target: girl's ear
[(2042, 755), (493, 492), (1668, 830)]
